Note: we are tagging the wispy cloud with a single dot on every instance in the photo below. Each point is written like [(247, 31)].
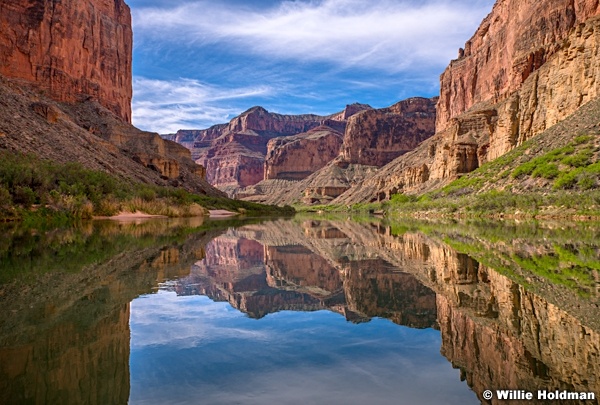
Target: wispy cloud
[(393, 36), (166, 106)]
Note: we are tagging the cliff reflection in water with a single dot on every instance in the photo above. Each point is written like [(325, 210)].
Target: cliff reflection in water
[(516, 305), (517, 325)]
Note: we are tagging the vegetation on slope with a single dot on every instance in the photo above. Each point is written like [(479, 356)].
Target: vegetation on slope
[(33, 189), (542, 177)]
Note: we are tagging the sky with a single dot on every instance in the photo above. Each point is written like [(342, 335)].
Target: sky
[(197, 63)]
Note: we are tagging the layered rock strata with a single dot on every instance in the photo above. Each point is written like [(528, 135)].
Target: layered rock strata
[(297, 157), (65, 90), (71, 49), (88, 133), (529, 97), (513, 41), (371, 139), (376, 137)]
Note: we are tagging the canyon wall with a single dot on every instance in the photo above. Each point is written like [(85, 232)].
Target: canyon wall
[(372, 138), (556, 84), (512, 42), (235, 154), (298, 156), (65, 86), (72, 49)]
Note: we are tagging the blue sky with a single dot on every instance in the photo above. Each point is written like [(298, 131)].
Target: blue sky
[(198, 63)]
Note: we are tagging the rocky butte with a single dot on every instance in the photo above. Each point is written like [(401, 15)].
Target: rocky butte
[(65, 90), (530, 65)]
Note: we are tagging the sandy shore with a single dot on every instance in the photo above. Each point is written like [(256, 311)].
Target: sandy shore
[(126, 216), (222, 213)]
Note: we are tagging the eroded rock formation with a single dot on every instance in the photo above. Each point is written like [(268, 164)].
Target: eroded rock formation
[(235, 153), (376, 137), (65, 86), (71, 49), (372, 138)]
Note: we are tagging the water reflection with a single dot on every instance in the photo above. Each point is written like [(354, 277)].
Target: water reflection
[(516, 307)]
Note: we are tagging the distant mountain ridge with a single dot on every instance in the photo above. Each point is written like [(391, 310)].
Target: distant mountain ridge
[(234, 154)]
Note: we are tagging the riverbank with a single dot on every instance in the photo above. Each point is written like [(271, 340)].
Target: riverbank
[(32, 190)]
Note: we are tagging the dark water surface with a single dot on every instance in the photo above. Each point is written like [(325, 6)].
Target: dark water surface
[(301, 311)]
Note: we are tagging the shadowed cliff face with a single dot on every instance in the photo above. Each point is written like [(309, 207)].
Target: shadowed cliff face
[(71, 49)]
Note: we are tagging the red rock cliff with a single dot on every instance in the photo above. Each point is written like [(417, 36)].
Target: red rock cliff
[(512, 42), (70, 48), (376, 137)]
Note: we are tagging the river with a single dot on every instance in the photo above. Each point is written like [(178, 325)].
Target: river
[(309, 310)]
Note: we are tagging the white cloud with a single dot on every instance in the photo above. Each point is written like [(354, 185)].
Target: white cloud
[(390, 35), (167, 106), (191, 321)]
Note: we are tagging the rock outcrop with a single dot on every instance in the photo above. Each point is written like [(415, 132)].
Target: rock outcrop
[(71, 49), (297, 157), (372, 138), (376, 137), (234, 154), (513, 41), (530, 65)]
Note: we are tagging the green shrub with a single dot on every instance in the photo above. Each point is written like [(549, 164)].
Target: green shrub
[(547, 171), (24, 195)]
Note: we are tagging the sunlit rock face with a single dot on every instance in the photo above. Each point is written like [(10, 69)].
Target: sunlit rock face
[(376, 137), (308, 169), (66, 86), (512, 42), (245, 152), (71, 49), (530, 65)]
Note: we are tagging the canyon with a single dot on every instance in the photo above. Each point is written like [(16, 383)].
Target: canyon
[(261, 156), (529, 66)]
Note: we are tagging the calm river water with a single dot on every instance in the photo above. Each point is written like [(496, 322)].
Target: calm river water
[(308, 310)]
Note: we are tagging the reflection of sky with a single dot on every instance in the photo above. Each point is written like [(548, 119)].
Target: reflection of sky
[(190, 350)]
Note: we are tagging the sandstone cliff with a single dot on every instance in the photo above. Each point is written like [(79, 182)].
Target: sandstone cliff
[(376, 137), (512, 42), (71, 49), (65, 90), (529, 66), (297, 157)]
